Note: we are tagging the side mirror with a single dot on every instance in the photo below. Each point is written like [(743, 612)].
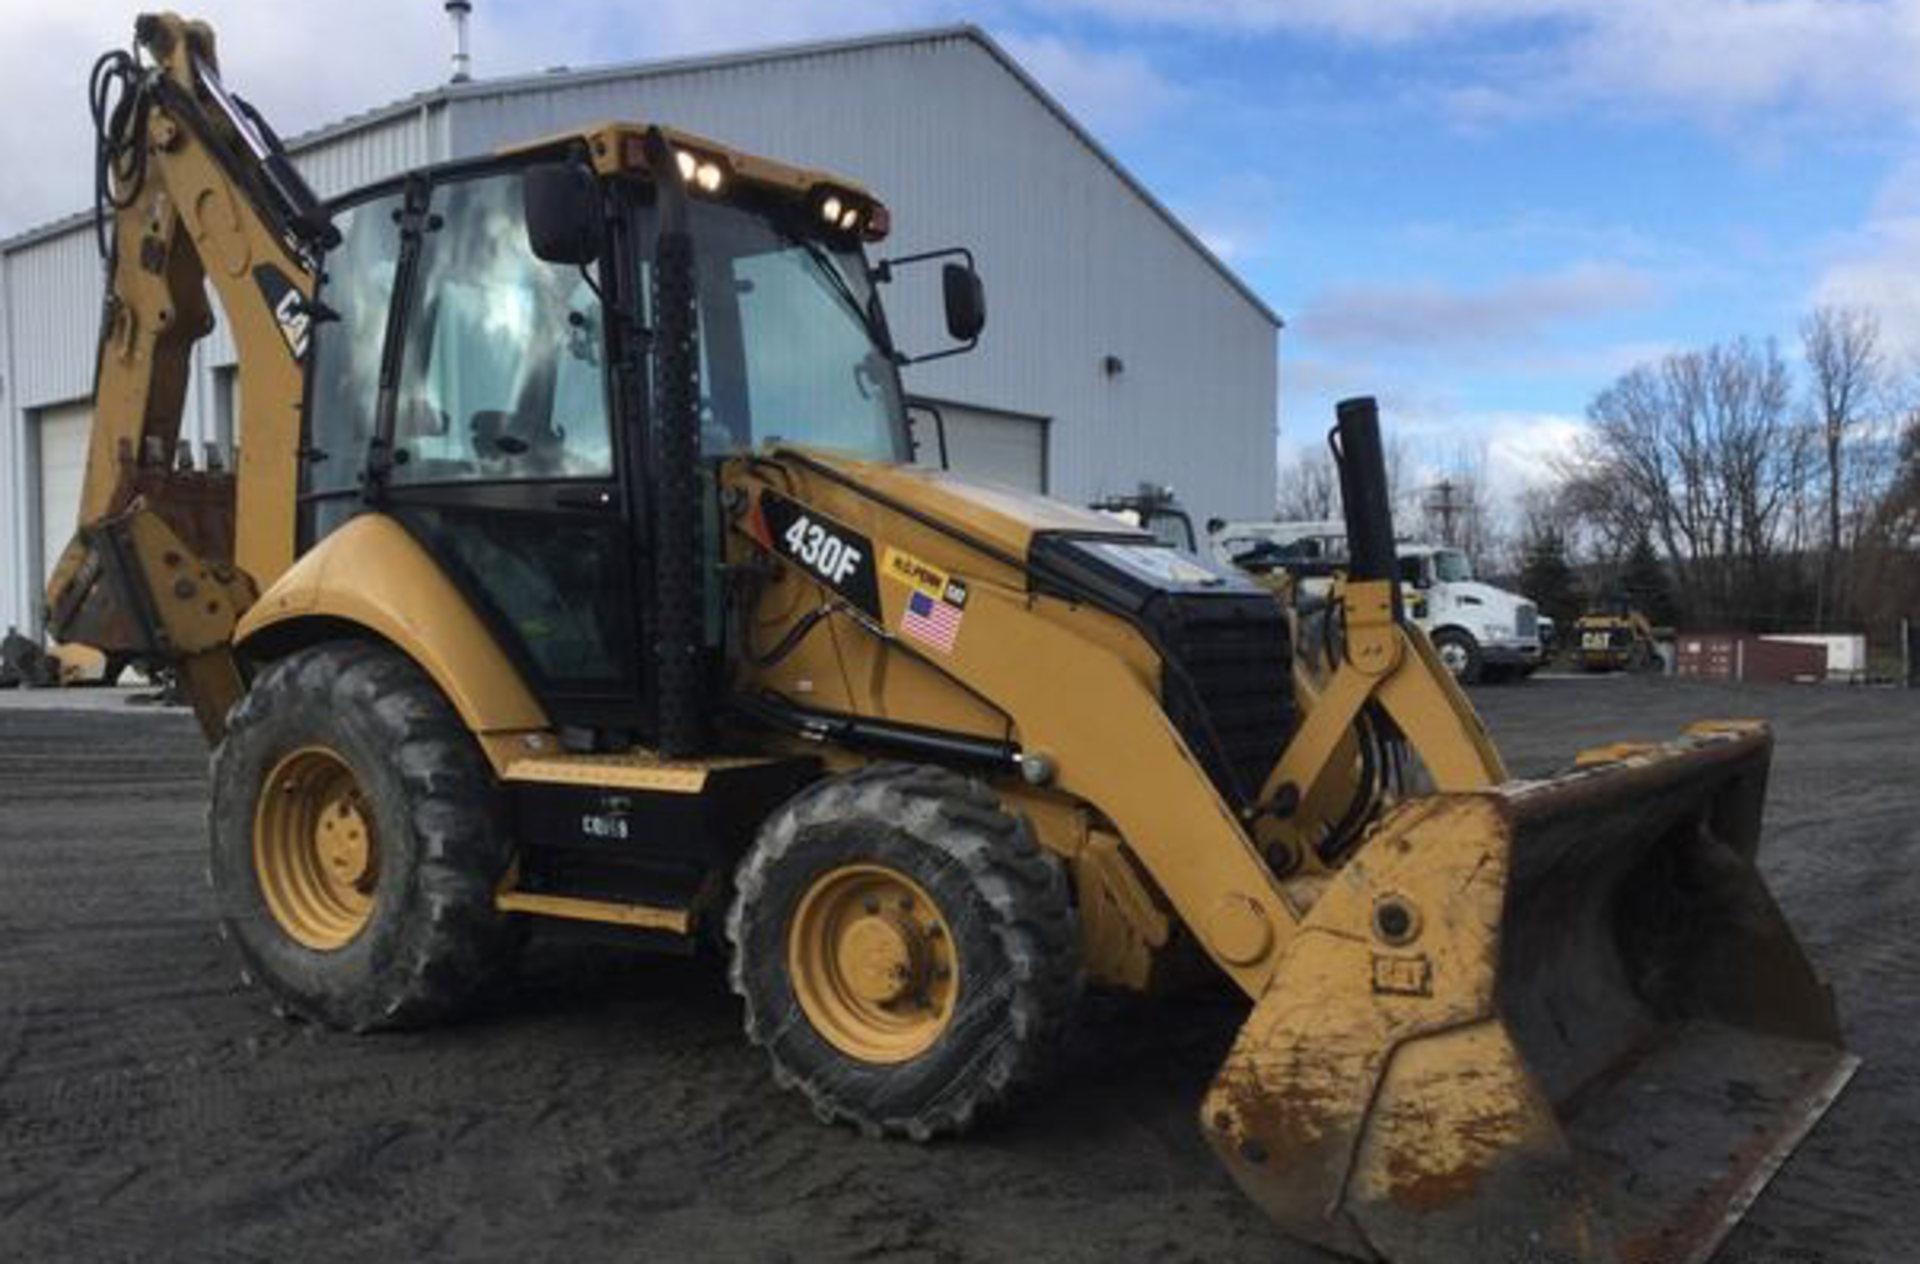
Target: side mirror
[(966, 300), (562, 206)]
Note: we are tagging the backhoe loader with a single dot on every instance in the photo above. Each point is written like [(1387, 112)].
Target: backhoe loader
[(576, 569)]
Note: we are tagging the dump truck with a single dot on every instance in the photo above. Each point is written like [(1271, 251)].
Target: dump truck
[(576, 571)]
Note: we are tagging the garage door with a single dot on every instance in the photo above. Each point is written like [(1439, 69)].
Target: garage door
[(62, 440), (984, 443)]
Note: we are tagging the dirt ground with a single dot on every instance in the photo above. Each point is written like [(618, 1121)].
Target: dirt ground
[(152, 1108)]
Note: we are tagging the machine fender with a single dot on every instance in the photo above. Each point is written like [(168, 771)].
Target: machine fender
[(371, 574)]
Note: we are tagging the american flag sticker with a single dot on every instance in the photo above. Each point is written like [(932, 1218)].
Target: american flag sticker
[(931, 621)]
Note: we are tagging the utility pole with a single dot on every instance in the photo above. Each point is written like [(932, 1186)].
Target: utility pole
[(1444, 505)]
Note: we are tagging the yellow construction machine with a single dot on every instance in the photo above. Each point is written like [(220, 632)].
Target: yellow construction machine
[(576, 569), (1613, 635)]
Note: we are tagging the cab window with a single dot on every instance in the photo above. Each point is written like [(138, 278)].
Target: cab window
[(356, 283), (502, 378)]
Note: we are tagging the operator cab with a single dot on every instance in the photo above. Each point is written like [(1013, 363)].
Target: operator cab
[(481, 373)]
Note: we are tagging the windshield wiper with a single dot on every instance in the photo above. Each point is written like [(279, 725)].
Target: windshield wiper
[(829, 268)]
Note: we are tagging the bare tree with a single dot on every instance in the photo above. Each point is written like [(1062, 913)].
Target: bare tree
[(1308, 488), (1403, 491), (1698, 453), (1846, 372)]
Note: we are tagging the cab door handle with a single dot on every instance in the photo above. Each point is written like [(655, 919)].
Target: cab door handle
[(598, 500)]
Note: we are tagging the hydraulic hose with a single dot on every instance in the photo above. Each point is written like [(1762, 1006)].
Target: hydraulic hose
[(119, 101)]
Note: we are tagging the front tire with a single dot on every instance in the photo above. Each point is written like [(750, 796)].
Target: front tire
[(1459, 654), (358, 839), (906, 951)]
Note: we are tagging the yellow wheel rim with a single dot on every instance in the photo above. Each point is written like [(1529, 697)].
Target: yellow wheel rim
[(315, 851), (873, 964)]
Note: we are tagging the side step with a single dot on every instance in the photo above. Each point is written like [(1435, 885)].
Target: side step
[(634, 840), (639, 916)]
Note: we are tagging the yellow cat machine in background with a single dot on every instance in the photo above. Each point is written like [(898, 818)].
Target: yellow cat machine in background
[(1613, 636), (577, 570)]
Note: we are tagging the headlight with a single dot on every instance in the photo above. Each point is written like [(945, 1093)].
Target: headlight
[(848, 212), (702, 172)]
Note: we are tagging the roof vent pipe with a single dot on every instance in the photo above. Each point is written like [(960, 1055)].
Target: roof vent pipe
[(458, 12)]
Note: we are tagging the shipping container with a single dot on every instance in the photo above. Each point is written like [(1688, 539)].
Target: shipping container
[(1731, 656)]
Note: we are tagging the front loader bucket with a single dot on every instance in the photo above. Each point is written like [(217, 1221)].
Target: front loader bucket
[(1561, 1020)]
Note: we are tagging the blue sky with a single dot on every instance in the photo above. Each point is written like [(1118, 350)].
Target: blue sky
[(1480, 210)]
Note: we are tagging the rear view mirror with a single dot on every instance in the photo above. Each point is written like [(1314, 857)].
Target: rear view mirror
[(966, 302), (960, 287), (562, 205)]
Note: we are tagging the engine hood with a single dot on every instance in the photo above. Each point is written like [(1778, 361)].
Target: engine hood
[(1007, 518), (1485, 596)]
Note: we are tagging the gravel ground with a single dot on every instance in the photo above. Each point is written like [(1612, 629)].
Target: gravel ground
[(152, 1109)]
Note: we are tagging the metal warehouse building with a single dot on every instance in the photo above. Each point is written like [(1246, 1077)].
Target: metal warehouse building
[(1119, 349)]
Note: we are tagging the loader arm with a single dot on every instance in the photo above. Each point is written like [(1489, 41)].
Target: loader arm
[(196, 191)]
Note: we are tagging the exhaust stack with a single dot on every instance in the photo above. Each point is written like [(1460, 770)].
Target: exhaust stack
[(458, 11)]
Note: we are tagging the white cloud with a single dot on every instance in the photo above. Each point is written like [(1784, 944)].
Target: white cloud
[(303, 65), (1235, 217), (306, 65), (1881, 272), (1878, 265), (1714, 58), (1729, 56), (1112, 93), (1432, 317), (658, 27), (1522, 448)]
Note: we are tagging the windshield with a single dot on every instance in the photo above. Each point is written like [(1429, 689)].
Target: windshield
[(1451, 567), (788, 348), (1171, 528)]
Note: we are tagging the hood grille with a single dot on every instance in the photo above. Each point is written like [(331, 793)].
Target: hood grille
[(1228, 686)]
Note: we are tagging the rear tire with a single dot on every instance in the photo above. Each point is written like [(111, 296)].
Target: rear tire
[(402, 930), (1459, 654), (1007, 938)]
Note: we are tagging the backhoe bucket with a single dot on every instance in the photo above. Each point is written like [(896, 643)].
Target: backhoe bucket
[(1562, 1020)]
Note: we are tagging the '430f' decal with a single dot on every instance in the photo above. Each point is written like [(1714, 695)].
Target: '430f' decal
[(829, 551)]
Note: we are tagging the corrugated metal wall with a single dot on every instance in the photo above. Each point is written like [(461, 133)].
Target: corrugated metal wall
[(1078, 267), (15, 496)]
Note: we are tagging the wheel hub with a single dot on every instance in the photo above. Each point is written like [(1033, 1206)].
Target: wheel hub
[(342, 840), (872, 963), (316, 854), (878, 959)]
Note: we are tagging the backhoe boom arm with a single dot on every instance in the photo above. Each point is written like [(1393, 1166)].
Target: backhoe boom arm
[(195, 192)]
